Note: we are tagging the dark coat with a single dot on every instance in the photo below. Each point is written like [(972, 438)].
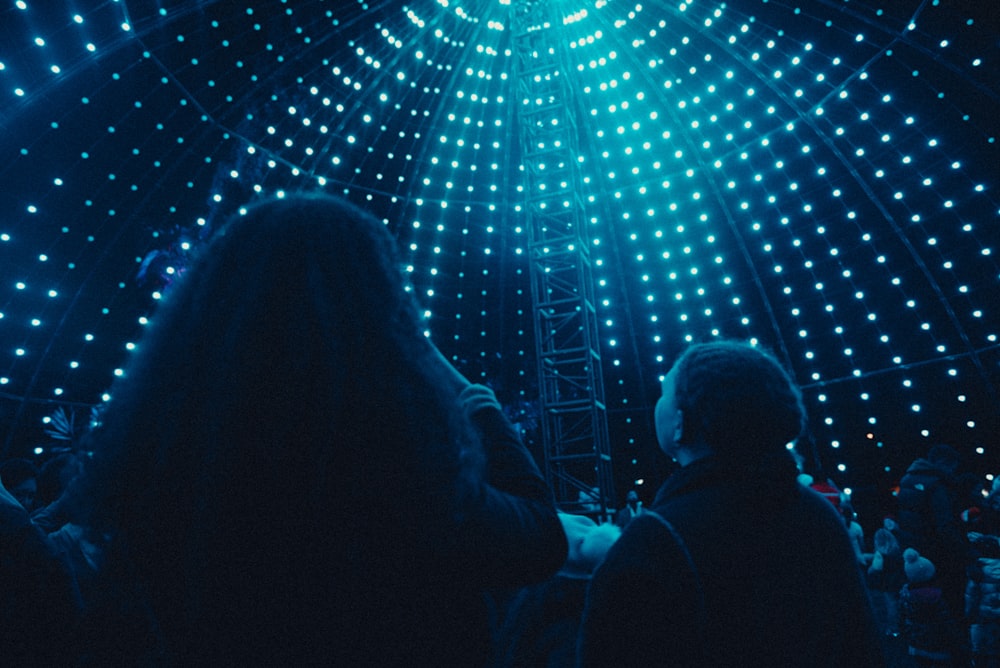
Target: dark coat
[(928, 516), (982, 593), (434, 611), (771, 581), (542, 625), (375, 590), (929, 626), (929, 522)]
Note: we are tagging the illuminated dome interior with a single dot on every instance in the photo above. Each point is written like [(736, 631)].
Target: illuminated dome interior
[(820, 177)]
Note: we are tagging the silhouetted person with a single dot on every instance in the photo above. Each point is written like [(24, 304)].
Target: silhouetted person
[(292, 474), (854, 530), (39, 599), (20, 478), (929, 507), (982, 610), (734, 563), (982, 593), (885, 578), (632, 509), (56, 514), (984, 531), (929, 626)]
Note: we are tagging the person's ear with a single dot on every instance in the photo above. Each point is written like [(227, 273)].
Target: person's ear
[(679, 426)]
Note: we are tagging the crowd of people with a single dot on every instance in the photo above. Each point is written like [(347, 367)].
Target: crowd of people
[(291, 473), (934, 570)]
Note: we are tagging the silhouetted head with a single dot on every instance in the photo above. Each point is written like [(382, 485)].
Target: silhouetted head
[(289, 353), (732, 397)]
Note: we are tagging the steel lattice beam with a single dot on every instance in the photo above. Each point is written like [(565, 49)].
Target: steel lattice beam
[(571, 387)]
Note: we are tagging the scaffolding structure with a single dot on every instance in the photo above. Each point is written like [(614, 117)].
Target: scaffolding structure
[(574, 423)]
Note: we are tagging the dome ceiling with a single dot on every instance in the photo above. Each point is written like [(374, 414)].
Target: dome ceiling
[(820, 177)]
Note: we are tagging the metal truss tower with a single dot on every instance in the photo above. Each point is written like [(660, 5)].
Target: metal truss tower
[(574, 421)]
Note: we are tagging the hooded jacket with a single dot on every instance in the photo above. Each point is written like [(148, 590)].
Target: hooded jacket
[(928, 519)]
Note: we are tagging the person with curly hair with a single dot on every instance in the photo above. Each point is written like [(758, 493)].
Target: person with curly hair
[(735, 563), (290, 473)]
